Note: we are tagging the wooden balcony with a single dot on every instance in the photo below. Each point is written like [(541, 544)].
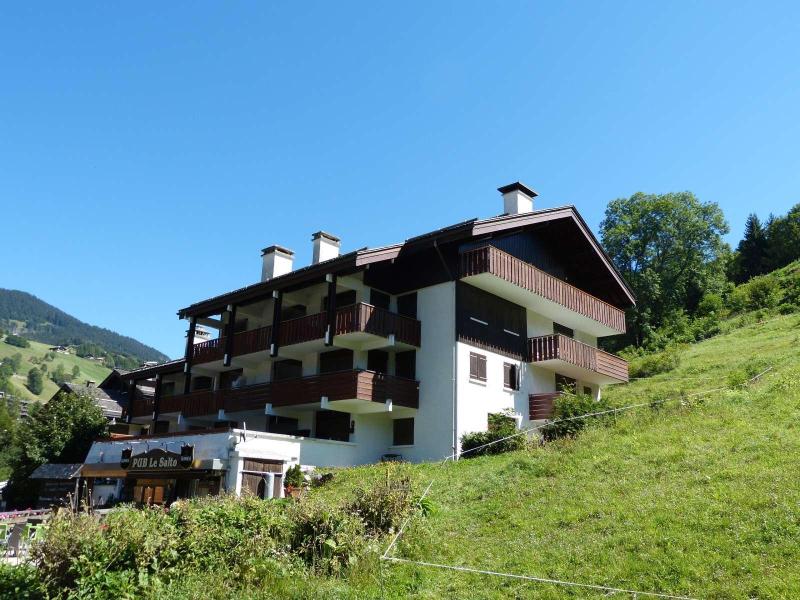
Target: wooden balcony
[(356, 391), (504, 275), (142, 405), (356, 325), (576, 359)]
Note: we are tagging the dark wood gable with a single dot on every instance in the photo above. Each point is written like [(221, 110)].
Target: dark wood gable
[(486, 321)]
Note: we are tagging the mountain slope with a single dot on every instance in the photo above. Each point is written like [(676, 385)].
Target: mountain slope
[(34, 319), (88, 369), (698, 497)]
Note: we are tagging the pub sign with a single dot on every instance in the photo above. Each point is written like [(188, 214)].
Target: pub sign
[(157, 459)]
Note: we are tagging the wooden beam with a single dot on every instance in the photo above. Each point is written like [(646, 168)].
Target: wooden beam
[(131, 398), (156, 400), (229, 329), (214, 323), (331, 327), (187, 369), (276, 323)]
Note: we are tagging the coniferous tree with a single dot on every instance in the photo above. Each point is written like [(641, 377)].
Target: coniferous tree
[(751, 254)]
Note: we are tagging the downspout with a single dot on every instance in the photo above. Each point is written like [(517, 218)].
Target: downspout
[(454, 385)]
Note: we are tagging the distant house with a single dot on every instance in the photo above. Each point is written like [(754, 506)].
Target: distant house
[(111, 395), (56, 482), (61, 349)]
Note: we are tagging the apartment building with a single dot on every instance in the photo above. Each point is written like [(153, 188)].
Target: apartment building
[(392, 351)]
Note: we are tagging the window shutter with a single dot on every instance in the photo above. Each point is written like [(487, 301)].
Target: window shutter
[(481, 367)]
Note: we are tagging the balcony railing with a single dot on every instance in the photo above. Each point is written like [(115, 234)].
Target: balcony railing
[(488, 259), (356, 318), (142, 405), (355, 384), (561, 347)]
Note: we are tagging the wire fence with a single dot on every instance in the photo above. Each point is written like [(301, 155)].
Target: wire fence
[(386, 556)]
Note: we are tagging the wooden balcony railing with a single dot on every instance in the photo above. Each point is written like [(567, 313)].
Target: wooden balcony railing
[(540, 406), (142, 405), (360, 317), (561, 347), (244, 342), (488, 259), (342, 385)]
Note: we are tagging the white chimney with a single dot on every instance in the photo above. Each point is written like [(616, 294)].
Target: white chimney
[(326, 246), (277, 261), (517, 198)]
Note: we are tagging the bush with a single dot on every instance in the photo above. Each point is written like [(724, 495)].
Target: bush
[(326, 539), (568, 406), (385, 505), (20, 582), (35, 381), (499, 426), (787, 308), (18, 341), (294, 477), (710, 304), (653, 364)]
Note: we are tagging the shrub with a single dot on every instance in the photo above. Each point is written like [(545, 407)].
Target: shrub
[(653, 364), (787, 308), (710, 304), (384, 506), (762, 292), (18, 341), (294, 477), (569, 406), (326, 539), (20, 582), (499, 426)]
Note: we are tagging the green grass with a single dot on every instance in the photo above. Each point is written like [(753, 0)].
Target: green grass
[(696, 498), (88, 369)]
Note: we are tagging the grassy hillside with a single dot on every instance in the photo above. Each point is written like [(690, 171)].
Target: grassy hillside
[(88, 369), (35, 319), (695, 498)]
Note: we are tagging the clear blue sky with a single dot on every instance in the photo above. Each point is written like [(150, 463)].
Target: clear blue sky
[(149, 151)]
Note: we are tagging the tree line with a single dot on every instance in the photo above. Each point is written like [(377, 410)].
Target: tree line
[(670, 249)]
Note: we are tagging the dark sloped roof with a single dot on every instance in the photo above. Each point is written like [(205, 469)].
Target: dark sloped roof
[(57, 471), (360, 258), (111, 402), (171, 366)]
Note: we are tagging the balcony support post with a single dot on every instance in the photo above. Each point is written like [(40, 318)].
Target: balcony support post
[(330, 328), (277, 298), (229, 329), (187, 369), (157, 400), (131, 398)]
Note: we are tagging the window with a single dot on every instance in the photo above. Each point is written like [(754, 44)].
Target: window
[(403, 432), (405, 364), (286, 369), (566, 384), (379, 299), (342, 299), (332, 425), (407, 305), (477, 366), (559, 328), (335, 360), (378, 361), (510, 376)]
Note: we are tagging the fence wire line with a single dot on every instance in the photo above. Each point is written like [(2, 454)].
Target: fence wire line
[(604, 588), (611, 590)]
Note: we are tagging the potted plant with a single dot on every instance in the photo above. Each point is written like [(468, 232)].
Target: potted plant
[(293, 481)]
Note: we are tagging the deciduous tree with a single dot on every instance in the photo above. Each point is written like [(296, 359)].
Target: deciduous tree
[(669, 248)]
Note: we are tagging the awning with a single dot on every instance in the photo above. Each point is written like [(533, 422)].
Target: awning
[(115, 470)]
